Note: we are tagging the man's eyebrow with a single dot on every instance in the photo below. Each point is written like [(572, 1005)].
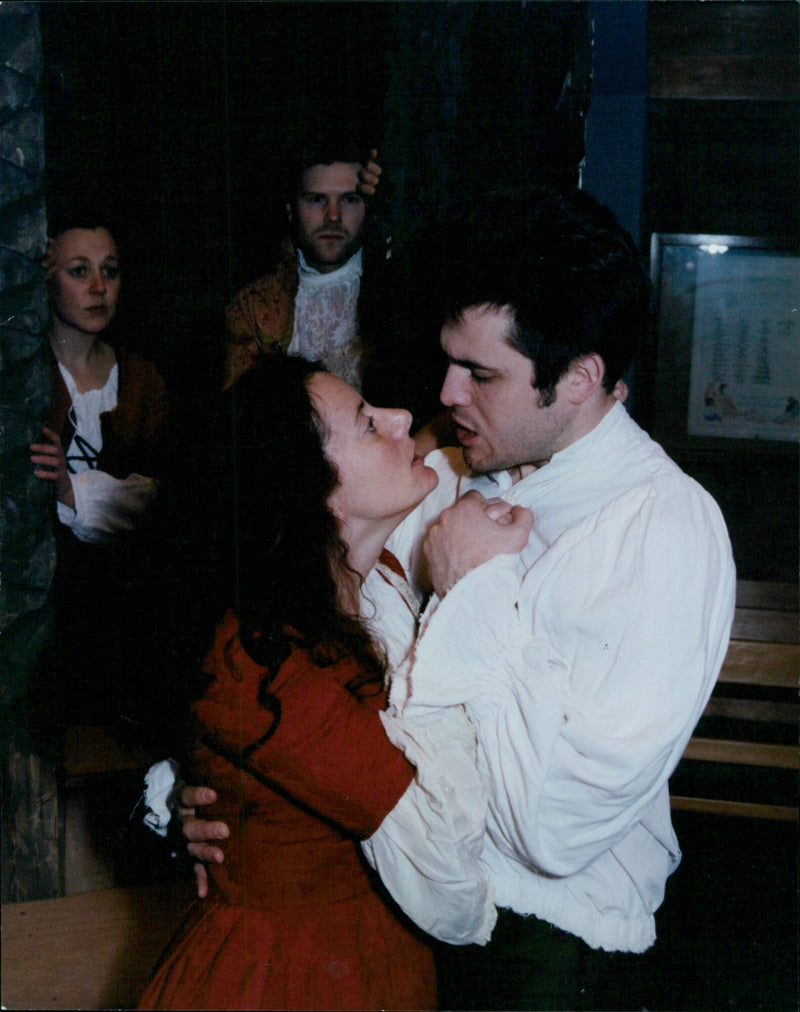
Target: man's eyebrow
[(361, 405), (328, 193), (467, 363)]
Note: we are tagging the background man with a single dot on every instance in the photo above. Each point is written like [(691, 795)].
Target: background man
[(314, 303)]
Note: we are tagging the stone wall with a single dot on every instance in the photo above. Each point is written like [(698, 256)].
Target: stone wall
[(30, 815)]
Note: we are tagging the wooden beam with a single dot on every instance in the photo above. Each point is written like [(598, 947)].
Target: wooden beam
[(92, 751), (724, 77), (747, 753), (748, 663), (765, 594), (753, 709), (724, 50), (747, 809), (765, 626)]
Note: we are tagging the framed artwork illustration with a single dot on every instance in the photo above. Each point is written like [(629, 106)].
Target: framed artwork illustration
[(727, 343)]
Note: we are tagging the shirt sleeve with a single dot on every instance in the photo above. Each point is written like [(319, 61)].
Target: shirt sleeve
[(240, 317), (106, 506), (585, 675), (261, 309), (427, 849)]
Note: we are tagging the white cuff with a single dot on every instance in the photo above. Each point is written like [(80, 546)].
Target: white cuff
[(159, 783), (427, 849), (106, 506)]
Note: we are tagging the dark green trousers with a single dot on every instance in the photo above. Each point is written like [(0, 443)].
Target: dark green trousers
[(531, 965)]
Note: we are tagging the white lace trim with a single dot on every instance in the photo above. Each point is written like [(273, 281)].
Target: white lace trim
[(402, 587), (325, 317)]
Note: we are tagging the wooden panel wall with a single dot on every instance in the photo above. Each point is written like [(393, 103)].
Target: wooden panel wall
[(724, 118), (723, 156), (724, 51)]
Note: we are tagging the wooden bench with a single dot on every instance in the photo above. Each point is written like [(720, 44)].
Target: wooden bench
[(94, 950), (751, 720), (93, 752)]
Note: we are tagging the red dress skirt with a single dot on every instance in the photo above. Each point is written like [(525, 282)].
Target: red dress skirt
[(293, 921)]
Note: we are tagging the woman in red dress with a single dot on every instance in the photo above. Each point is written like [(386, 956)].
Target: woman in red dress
[(289, 731)]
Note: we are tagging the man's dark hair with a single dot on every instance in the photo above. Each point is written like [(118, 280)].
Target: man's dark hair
[(562, 264), (323, 148)]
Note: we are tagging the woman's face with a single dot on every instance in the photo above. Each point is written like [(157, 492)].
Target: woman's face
[(381, 477), (83, 279)]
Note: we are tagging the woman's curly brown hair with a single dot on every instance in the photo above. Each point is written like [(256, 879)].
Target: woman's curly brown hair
[(287, 543)]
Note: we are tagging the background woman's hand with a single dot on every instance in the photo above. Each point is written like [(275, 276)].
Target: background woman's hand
[(51, 465)]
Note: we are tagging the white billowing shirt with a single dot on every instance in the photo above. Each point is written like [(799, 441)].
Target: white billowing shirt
[(584, 665), (427, 849), (104, 506), (326, 318)]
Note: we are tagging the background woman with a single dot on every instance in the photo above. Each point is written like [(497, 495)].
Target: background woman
[(104, 449), (290, 730)]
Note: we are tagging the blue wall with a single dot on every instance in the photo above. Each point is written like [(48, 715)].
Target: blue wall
[(615, 129)]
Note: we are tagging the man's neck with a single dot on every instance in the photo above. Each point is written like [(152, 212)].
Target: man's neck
[(313, 266), (587, 425)]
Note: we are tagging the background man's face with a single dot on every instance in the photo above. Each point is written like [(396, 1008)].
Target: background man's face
[(329, 215)]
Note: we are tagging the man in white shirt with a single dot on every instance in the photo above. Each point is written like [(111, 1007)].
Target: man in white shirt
[(584, 663)]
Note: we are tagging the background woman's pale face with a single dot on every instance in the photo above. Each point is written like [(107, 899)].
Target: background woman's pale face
[(381, 477), (83, 281)]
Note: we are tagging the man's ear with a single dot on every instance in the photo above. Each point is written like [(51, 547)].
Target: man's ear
[(289, 212), (584, 378)]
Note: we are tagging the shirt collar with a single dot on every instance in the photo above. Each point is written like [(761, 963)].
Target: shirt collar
[(349, 271), (584, 448)]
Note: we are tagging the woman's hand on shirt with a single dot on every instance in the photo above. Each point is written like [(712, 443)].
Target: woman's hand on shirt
[(51, 465)]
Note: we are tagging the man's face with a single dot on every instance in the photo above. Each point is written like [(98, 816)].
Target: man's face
[(329, 215), (489, 389)]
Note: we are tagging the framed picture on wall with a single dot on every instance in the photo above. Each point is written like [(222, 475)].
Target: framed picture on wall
[(727, 342)]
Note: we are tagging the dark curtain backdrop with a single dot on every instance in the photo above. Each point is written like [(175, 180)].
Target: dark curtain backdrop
[(179, 115)]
